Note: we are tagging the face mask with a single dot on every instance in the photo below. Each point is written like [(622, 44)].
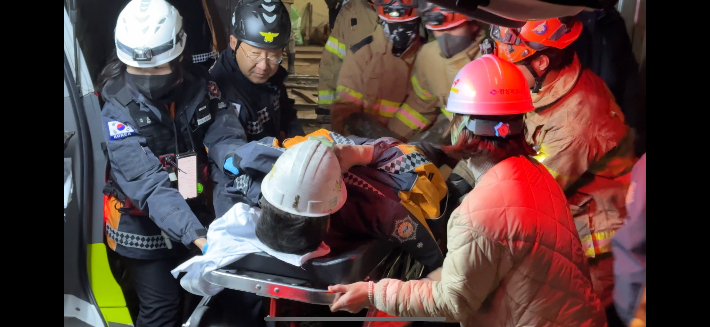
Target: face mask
[(450, 45), (158, 88), (402, 35)]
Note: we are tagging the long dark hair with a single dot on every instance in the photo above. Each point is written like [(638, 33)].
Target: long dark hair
[(113, 69), (469, 144)]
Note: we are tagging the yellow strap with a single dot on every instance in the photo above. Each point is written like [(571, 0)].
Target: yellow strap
[(423, 94)]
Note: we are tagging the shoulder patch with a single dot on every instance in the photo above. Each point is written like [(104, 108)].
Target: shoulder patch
[(118, 130), (361, 44), (213, 90)]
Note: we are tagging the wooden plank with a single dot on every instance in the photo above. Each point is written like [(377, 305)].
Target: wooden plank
[(305, 106), (308, 56), (301, 86), (309, 49), (302, 78), (303, 96)]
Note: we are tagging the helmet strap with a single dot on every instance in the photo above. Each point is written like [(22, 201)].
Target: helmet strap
[(457, 130), (539, 79)]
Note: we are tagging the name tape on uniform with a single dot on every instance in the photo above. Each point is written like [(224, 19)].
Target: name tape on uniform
[(118, 130)]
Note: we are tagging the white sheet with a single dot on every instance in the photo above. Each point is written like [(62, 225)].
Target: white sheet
[(230, 238)]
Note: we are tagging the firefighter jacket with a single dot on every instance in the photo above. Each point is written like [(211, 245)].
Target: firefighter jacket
[(373, 80), (581, 138), (397, 196), (431, 82), (356, 20), (145, 215)]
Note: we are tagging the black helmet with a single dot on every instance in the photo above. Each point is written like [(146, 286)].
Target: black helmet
[(261, 23)]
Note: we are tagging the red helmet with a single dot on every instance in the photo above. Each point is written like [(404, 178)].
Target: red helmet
[(397, 10), (489, 86), (438, 18), (515, 45)]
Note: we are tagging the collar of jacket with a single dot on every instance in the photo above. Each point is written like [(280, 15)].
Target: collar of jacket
[(560, 87)]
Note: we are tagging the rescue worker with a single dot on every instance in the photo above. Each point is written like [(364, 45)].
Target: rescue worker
[(578, 132), (291, 48), (513, 258), (375, 73), (161, 117), (458, 38), (356, 20), (405, 212), (250, 75)]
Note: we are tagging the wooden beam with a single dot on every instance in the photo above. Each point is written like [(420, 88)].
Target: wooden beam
[(303, 96)]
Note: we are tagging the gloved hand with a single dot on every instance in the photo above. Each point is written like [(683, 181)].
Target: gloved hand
[(231, 165), (204, 248)]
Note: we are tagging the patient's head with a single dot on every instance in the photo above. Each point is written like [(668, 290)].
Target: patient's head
[(290, 233), (303, 189)]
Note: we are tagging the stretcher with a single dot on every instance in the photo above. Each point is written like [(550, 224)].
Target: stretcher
[(266, 276)]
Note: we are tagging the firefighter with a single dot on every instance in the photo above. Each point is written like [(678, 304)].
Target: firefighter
[(165, 125), (578, 132), (373, 81), (356, 20), (457, 43)]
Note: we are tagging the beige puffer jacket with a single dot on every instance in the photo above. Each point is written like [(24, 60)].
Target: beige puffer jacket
[(514, 259)]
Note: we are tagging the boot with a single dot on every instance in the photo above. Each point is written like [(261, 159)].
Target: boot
[(291, 63)]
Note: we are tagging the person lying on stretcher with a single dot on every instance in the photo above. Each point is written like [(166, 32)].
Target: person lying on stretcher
[(347, 188), (389, 190)]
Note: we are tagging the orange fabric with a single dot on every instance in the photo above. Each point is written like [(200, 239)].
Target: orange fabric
[(112, 216), (172, 110), (298, 139), (640, 319)]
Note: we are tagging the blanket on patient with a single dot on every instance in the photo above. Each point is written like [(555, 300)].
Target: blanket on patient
[(230, 238)]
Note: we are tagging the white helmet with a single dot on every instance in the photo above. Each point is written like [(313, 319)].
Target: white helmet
[(306, 180), (149, 33)]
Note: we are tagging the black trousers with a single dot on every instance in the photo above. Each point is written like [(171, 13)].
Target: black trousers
[(159, 294)]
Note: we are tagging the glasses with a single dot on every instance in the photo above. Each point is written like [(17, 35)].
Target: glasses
[(256, 58)]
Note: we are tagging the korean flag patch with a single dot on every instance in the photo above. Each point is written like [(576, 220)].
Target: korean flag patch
[(118, 130)]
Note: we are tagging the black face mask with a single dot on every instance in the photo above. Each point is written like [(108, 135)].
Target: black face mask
[(450, 45), (402, 35), (160, 89)]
